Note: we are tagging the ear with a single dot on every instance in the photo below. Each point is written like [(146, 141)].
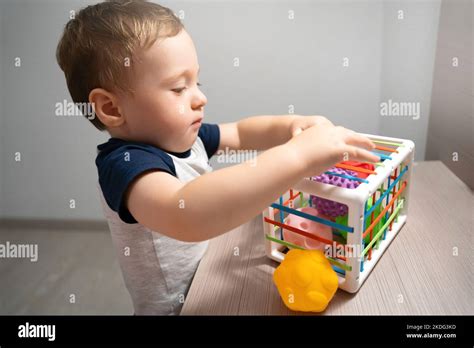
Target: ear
[(106, 107)]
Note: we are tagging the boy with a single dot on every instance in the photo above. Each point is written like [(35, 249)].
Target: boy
[(137, 65)]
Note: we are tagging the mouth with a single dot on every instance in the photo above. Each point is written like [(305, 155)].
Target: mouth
[(198, 121)]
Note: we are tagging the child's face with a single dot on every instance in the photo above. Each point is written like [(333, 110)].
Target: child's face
[(166, 100)]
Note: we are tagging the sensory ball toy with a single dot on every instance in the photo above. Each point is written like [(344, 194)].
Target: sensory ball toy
[(362, 175), (364, 204), (326, 206), (305, 280), (309, 226)]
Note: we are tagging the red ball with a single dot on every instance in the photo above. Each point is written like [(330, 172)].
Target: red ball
[(360, 165)]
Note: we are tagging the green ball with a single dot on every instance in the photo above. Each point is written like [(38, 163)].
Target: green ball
[(343, 220)]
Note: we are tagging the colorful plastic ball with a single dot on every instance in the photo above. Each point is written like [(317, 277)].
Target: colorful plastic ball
[(305, 280), (307, 225)]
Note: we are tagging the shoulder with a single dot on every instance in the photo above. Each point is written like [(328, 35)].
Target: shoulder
[(120, 162), (134, 156)]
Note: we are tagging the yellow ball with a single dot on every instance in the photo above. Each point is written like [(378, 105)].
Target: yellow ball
[(305, 280)]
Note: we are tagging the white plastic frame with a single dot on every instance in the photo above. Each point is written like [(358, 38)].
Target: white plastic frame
[(355, 200)]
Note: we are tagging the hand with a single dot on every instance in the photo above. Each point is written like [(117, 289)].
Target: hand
[(300, 123), (321, 146)]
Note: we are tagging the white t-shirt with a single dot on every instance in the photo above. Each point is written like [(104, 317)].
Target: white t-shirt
[(157, 270)]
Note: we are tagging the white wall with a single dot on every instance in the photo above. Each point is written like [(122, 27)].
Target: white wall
[(56, 153), (451, 127), (1, 114), (409, 47), (282, 62)]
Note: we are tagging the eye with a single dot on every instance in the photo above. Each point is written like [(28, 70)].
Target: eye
[(179, 90)]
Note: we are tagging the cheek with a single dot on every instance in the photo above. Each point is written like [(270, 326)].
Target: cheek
[(170, 113), (175, 110), (176, 104), (154, 104), (165, 113), (152, 107)]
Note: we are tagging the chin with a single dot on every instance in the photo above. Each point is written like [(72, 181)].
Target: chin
[(189, 144), (193, 141)]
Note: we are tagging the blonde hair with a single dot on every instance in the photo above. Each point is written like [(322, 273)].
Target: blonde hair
[(100, 44)]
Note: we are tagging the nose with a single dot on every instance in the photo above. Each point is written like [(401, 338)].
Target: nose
[(199, 100)]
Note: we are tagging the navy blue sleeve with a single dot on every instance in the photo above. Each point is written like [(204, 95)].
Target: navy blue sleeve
[(118, 168), (210, 136)]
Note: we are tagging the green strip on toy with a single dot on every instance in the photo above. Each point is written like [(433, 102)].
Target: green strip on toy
[(342, 220)]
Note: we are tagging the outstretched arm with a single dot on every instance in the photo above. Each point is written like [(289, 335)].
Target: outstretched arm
[(216, 202), (264, 132)]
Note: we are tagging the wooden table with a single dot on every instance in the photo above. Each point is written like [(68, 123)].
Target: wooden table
[(420, 273)]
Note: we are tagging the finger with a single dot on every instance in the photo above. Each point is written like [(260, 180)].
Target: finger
[(324, 120), (297, 131), (362, 155), (360, 141)]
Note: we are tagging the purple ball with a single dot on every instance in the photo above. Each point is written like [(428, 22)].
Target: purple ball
[(326, 206)]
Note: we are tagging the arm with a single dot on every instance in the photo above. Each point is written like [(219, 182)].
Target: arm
[(263, 132), (214, 203), (219, 201)]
